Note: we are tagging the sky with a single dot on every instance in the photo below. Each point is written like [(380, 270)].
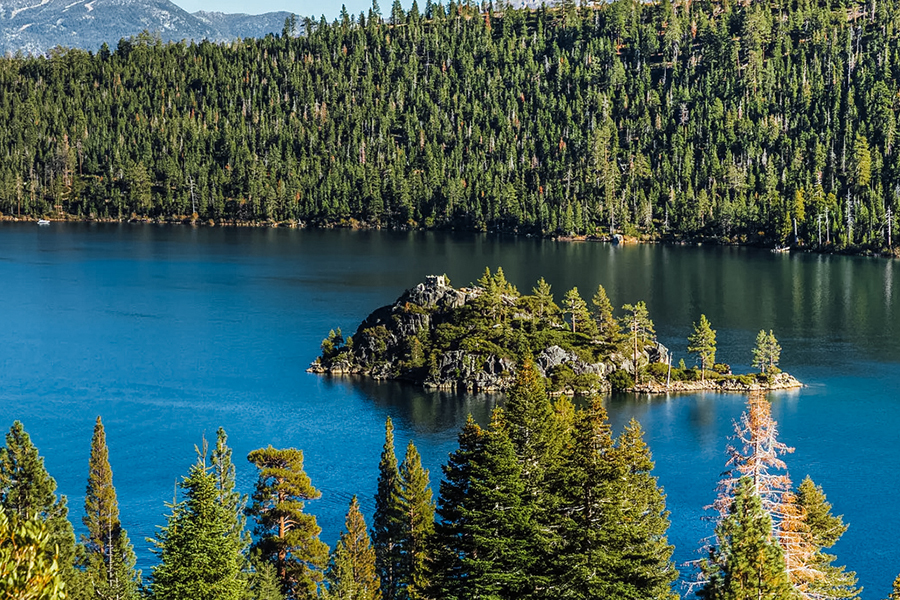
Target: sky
[(303, 8)]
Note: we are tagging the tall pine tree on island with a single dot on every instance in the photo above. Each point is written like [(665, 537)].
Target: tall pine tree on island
[(285, 535), (199, 557), (351, 571), (386, 520), (28, 491), (702, 342), (108, 558), (415, 527)]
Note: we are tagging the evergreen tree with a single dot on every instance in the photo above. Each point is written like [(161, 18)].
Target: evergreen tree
[(615, 525), (198, 555), (767, 352), (27, 491), (543, 296), (285, 535), (703, 343), (748, 563), (824, 530), (415, 528), (539, 442), (351, 572), (109, 558), (386, 520), (895, 594), (262, 581), (603, 316), (640, 331), (640, 557), (575, 306), (28, 560), (452, 542), (231, 500)]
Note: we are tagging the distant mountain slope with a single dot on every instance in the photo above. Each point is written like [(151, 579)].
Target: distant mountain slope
[(35, 26), (241, 25)]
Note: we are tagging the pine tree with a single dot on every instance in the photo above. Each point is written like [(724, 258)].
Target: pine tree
[(615, 526), (28, 560), (351, 572), (231, 500), (767, 352), (198, 555), (826, 580), (748, 563), (575, 306), (385, 522), (453, 543), (703, 343), (895, 594), (415, 528), (543, 296), (109, 558), (640, 331), (285, 535), (486, 539), (640, 556), (539, 442), (603, 316), (262, 581), (28, 491)]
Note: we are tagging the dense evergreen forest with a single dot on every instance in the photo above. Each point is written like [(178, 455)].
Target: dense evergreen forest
[(543, 503), (739, 121)]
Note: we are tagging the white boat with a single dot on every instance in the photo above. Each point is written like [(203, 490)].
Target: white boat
[(43, 222)]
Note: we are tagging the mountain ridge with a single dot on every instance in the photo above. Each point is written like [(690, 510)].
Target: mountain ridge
[(36, 26)]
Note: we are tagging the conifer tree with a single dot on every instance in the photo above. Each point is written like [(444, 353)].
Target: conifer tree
[(262, 581), (895, 594), (27, 491), (109, 558), (703, 343), (28, 560), (285, 535), (603, 316), (386, 520), (351, 572), (747, 563), (416, 526), (452, 543), (199, 557), (616, 522), (767, 352), (543, 296), (575, 306), (826, 580), (640, 557), (231, 500), (640, 331)]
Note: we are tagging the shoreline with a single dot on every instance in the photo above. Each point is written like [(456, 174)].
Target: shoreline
[(356, 225), (781, 381)]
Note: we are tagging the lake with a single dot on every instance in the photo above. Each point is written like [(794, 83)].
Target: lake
[(169, 332)]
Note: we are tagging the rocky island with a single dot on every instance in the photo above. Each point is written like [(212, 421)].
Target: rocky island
[(473, 338)]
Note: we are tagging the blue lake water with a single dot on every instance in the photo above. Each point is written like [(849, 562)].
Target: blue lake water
[(169, 332)]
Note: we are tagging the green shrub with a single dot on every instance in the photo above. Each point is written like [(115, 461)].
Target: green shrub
[(658, 371), (722, 369), (621, 380)]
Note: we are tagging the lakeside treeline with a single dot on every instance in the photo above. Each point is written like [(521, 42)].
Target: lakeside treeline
[(737, 121), (543, 503)]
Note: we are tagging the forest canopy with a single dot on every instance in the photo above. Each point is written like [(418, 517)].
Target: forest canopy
[(736, 121)]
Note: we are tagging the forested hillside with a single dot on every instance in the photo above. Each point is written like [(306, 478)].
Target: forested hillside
[(732, 120)]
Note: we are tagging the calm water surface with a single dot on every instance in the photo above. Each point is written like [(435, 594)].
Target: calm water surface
[(170, 332)]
